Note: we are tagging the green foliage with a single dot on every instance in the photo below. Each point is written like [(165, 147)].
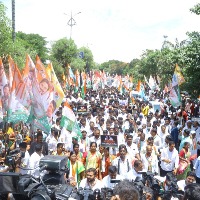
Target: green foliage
[(5, 32), (88, 57), (34, 42), (59, 70), (78, 63), (64, 51), (192, 64), (114, 67), (196, 9)]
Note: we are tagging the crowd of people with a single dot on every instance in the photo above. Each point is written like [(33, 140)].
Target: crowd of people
[(163, 141)]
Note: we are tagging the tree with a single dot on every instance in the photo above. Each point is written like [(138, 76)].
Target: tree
[(16, 50), (87, 58), (114, 67), (5, 32), (196, 9), (64, 51), (78, 63), (192, 64), (34, 42)]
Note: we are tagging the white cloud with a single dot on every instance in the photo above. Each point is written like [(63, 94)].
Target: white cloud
[(113, 29)]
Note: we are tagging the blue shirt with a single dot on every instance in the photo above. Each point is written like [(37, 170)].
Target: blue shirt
[(197, 167), (174, 134)]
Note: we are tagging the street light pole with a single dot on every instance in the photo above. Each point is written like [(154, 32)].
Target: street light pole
[(72, 22), (13, 20)]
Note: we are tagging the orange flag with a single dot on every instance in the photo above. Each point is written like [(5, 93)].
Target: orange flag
[(138, 86)]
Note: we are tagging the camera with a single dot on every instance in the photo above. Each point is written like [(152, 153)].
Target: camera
[(12, 156)]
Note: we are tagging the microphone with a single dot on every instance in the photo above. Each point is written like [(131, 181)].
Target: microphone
[(42, 168)]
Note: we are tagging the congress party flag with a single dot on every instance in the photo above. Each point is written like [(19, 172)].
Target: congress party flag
[(68, 121), (42, 97), (179, 75), (57, 90), (4, 89), (16, 110)]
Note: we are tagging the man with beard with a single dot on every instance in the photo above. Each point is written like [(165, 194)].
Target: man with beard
[(91, 181)]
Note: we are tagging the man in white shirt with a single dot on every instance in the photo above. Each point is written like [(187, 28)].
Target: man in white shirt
[(24, 164), (34, 161), (156, 138), (123, 162), (66, 138), (132, 148), (150, 160), (169, 159), (112, 175), (91, 181), (96, 138), (134, 173), (191, 178)]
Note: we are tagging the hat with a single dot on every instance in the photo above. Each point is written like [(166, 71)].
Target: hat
[(192, 132), (190, 121), (75, 138)]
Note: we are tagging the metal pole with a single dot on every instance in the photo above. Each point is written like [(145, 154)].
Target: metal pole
[(13, 21), (71, 25), (72, 22)]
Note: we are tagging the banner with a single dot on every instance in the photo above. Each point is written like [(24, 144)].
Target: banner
[(16, 109), (42, 97), (174, 95), (58, 94), (4, 88)]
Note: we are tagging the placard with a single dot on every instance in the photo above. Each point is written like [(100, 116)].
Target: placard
[(109, 141), (81, 108)]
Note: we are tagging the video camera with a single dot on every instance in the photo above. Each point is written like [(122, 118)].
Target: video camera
[(50, 186), (149, 180), (12, 156)]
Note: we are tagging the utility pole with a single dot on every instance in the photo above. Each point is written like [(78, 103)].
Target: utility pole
[(72, 22), (13, 21)]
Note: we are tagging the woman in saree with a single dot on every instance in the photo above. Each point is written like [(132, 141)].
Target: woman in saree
[(76, 169), (79, 155), (184, 161), (92, 159), (106, 162), (59, 151)]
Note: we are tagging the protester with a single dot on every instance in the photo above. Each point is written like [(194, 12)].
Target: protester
[(147, 137), (91, 181)]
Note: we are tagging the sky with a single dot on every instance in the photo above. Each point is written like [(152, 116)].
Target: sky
[(111, 29)]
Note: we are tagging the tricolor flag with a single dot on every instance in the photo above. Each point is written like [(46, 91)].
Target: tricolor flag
[(69, 122), (83, 87)]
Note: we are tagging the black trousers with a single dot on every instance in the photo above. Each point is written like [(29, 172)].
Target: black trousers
[(163, 173), (198, 153), (198, 180)]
